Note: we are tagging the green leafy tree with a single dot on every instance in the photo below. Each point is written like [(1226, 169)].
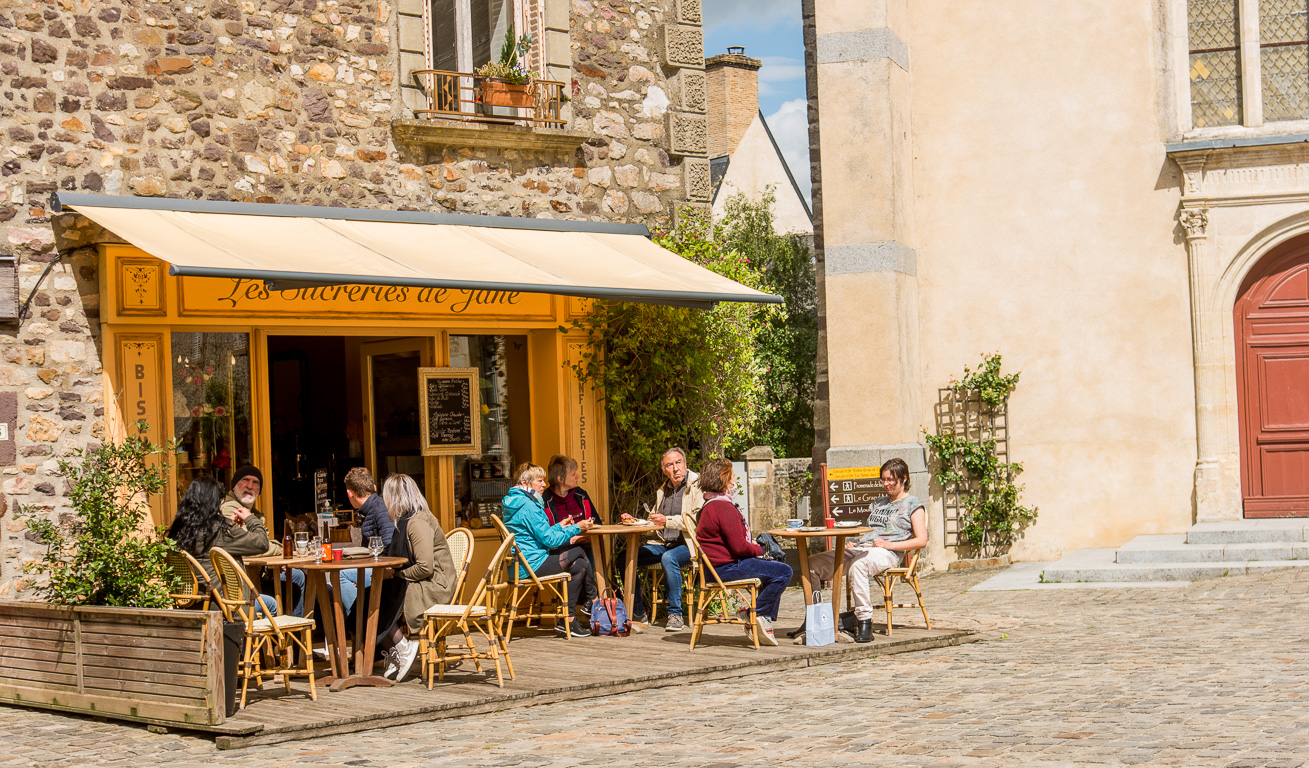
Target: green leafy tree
[(101, 557), (786, 344), (673, 376)]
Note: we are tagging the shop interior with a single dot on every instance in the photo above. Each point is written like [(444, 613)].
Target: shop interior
[(337, 402)]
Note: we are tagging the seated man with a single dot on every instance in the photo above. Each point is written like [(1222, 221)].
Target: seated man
[(239, 504), (361, 492), (899, 524), (677, 498)]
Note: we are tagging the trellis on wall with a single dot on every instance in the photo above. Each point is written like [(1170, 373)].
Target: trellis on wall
[(963, 415)]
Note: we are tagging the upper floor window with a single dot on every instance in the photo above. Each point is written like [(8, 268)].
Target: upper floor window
[(465, 34), (1268, 81), (1215, 62)]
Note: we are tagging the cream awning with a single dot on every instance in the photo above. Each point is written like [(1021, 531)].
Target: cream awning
[(291, 245)]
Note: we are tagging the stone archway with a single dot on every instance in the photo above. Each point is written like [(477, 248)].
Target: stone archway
[(1271, 330)]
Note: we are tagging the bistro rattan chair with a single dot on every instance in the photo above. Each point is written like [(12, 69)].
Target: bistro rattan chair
[(532, 597), (654, 573), (907, 574), (482, 614), (716, 594), (280, 635), (460, 541), (190, 583)]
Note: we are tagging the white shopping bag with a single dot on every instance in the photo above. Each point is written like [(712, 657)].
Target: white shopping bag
[(819, 624)]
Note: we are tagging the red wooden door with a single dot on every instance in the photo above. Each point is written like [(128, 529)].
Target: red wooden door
[(1272, 361)]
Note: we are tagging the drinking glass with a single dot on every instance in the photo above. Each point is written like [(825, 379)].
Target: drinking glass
[(375, 545), (317, 545), (302, 543)]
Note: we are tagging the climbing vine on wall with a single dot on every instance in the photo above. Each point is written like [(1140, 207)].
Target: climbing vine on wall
[(970, 453)]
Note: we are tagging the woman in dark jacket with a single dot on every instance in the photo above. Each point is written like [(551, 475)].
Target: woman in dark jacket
[(564, 499), (200, 527), (721, 533)]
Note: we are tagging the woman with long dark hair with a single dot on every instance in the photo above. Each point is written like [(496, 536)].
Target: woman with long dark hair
[(200, 527)]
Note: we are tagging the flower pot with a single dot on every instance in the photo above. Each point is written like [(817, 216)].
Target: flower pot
[(498, 93)]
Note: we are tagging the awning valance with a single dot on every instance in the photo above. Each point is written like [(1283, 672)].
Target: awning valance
[(291, 245)]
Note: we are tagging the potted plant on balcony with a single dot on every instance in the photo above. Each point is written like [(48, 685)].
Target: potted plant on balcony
[(507, 82)]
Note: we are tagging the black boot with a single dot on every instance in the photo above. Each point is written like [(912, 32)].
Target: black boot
[(865, 634), (796, 632)]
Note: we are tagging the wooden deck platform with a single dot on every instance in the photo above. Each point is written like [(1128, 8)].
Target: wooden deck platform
[(550, 668)]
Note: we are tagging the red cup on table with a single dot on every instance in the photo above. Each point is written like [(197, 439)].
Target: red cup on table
[(337, 554), (830, 522)]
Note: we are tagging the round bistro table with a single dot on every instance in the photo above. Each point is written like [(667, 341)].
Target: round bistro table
[(838, 563), (603, 553), (253, 565), (329, 601)]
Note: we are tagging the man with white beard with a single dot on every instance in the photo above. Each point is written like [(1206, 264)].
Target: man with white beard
[(247, 481), (240, 503)]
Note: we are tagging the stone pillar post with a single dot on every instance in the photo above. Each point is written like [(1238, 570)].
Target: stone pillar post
[(1217, 473), (860, 73)]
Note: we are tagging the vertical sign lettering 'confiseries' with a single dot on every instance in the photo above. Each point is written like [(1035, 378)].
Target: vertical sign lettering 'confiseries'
[(582, 443), (450, 415)]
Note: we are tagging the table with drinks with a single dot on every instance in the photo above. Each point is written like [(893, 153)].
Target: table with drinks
[(323, 565), (837, 531)]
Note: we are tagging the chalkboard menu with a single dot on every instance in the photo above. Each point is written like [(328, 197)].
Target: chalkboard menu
[(450, 400)]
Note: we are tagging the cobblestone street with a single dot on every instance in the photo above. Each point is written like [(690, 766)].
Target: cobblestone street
[(1216, 673)]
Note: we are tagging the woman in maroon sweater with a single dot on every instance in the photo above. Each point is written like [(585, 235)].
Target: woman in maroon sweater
[(721, 533)]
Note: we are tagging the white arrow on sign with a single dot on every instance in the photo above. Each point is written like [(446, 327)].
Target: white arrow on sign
[(836, 499), (831, 486)]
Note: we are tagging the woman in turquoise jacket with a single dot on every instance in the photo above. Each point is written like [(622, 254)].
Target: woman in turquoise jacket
[(549, 549)]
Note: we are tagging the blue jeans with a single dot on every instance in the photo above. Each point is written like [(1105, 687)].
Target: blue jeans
[(773, 576), (269, 601), (673, 558), (349, 589)]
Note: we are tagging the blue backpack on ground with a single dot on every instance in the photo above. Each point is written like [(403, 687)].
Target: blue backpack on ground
[(609, 616)]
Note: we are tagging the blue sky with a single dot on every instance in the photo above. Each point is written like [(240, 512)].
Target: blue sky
[(770, 30)]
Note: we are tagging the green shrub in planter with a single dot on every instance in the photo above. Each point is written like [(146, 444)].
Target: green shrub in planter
[(102, 557)]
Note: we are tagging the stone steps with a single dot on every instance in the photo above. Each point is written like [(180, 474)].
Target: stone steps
[(1207, 550)]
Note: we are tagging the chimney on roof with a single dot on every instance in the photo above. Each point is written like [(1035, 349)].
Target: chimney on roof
[(732, 85)]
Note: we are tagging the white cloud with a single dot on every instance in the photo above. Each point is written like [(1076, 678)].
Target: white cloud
[(746, 14), (790, 127), (779, 70)]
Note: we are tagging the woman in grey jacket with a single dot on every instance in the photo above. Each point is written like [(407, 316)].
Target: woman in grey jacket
[(429, 577)]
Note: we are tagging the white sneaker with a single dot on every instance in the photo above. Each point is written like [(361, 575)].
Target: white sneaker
[(388, 671), (766, 635), (405, 652)]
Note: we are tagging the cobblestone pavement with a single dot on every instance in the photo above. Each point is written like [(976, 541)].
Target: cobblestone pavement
[(1214, 674)]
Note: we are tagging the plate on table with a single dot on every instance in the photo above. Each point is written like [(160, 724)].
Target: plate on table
[(848, 524), (811, 528), (636, 522)]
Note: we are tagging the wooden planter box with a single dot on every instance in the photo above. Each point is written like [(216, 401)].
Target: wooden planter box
[(497, 93), (154, 666)]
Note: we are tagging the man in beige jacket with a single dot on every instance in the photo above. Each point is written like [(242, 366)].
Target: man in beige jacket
[(677, 499)]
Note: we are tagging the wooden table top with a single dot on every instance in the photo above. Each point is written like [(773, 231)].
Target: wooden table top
[(276, 560), (799, 534), (604, 530), (351, 563)]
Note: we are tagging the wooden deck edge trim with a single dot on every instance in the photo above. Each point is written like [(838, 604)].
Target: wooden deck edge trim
[(497, 703)]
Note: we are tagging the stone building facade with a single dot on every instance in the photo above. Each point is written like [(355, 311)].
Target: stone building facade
[(306, 102), (1118, 205)]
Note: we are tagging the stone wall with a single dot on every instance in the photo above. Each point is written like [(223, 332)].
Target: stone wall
[(294, 102)]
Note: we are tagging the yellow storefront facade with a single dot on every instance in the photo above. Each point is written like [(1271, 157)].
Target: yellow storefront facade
[(206, 363)]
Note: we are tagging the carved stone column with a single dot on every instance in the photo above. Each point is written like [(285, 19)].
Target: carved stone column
[(1217, 475)]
